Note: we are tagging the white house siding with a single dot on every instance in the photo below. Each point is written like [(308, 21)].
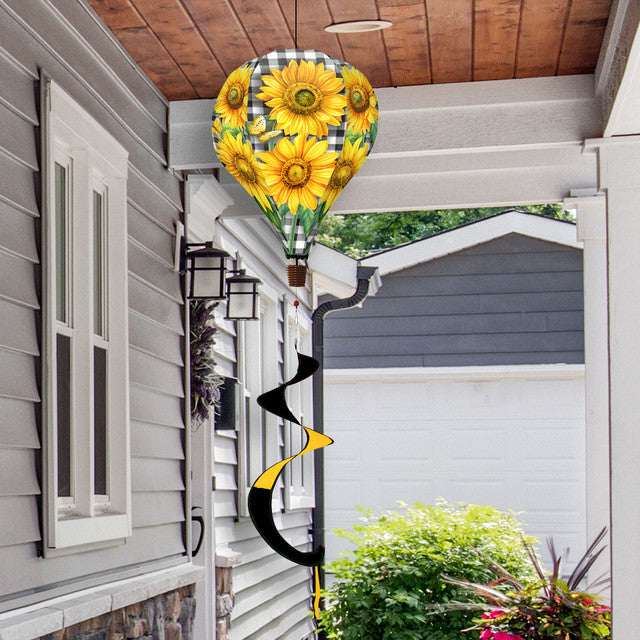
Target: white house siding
[(510, 437), (272, 594), (65, 40)]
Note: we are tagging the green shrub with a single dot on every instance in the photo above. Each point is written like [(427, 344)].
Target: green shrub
[(390, 586)]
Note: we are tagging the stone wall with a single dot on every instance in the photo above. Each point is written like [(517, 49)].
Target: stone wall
[(225, 599), (168, 616)]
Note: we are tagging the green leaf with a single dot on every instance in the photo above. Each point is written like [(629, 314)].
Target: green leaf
[(273, 217), (373, 133), (308, 219), (271, 124), (283, 209), (321, 211), (353, 136)]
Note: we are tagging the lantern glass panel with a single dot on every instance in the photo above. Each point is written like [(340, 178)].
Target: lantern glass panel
[(242, 299), (207, 277)]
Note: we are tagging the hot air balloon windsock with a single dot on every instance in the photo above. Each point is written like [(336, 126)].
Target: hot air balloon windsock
[(293, 127)]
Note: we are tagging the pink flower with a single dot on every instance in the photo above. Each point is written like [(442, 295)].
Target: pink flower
[(503, 635), (486, 634), (496, 613), (587, 601)]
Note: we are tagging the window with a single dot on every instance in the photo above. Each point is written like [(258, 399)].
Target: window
[(258, 441), (299, 481), (85, 339)]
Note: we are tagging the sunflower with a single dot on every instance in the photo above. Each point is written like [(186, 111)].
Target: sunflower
[(297, 173), (362, 105), (233, 97), (304, 99), (240, 161), (348, 164)]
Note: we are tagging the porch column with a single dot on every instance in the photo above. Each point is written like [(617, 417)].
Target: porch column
[(591, 212), (619, 178), (205, 201)]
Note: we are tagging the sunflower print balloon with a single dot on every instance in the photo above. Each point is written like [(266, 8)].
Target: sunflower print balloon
[(304, 98), (294, 127), (351, 159), (362, 105), (232, 100), (240, 161)]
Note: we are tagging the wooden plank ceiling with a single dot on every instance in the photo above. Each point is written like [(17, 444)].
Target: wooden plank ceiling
[(188, 47)]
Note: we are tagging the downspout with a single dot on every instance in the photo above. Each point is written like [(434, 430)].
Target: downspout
[(368, 280)]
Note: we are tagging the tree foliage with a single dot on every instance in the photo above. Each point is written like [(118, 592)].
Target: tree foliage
[(361, 233)]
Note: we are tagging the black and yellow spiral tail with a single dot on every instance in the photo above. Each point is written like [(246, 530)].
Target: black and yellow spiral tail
[(261, 494)]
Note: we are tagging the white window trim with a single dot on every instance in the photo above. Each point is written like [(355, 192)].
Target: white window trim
[(298, 495), (98, 159), (257, 372)]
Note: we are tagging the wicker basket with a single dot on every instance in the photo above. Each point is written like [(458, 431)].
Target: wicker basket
[(297, 274)]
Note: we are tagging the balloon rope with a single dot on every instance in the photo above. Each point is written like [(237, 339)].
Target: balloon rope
[(295, 23)]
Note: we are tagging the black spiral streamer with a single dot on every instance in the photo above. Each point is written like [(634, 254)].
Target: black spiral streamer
[(261, 493)]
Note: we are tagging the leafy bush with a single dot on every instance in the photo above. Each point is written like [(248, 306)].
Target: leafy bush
[(385, 589)]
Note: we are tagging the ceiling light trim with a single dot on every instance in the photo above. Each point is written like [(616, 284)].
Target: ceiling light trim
[(358, 26)]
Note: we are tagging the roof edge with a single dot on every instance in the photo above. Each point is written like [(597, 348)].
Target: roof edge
[(333, 272), (471, 234)]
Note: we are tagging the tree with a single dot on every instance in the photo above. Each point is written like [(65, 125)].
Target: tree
[(359, 234)]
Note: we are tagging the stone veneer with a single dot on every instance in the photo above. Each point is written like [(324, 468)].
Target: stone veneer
[(225, 599), (168, 616)]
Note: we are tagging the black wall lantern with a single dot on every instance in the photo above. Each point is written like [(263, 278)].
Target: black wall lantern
[(208, 268), (242, 297)]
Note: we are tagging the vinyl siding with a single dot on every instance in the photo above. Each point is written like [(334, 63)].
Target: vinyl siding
[(272, 594), (513, 300), (67, 41)]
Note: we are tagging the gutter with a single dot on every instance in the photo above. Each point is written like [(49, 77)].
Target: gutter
[(368, 282)]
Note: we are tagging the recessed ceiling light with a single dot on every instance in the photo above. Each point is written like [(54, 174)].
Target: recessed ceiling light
[(358, 26)]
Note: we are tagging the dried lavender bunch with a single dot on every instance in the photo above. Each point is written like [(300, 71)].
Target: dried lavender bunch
[(205, 382)]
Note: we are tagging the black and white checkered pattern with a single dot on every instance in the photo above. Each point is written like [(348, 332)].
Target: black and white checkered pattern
[(301, 241), (280, 59)]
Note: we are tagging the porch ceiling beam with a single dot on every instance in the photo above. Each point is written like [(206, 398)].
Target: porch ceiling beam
[(455, 145)]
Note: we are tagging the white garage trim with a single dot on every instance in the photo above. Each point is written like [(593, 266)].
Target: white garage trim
[(555, 371)]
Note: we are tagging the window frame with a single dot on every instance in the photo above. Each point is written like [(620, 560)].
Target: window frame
[(299, 473), (95, 161), (257, 340)]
